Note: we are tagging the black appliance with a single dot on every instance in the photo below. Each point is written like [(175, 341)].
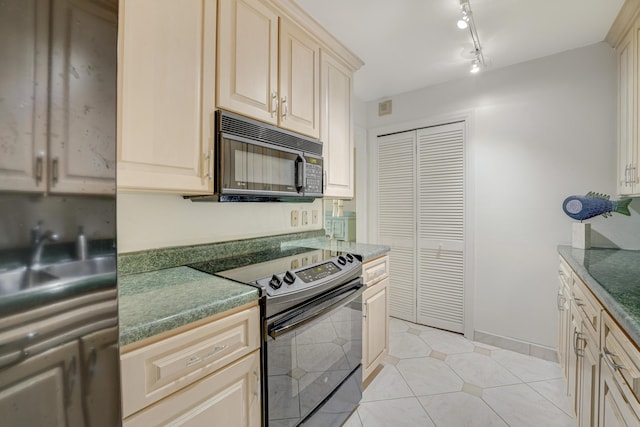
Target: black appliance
[(312, 332), (257, 162)]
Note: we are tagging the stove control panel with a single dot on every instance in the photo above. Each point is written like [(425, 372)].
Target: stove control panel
[(296, 279), (318, 272)]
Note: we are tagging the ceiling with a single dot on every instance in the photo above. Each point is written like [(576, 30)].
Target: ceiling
[(411, 44)]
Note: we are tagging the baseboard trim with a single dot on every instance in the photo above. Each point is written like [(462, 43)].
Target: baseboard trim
[(524, 347)]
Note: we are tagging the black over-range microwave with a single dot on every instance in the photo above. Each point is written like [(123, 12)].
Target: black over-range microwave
[(257, 162)]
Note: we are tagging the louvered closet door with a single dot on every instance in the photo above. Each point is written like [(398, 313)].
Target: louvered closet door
[(440, 213), (396, 219)]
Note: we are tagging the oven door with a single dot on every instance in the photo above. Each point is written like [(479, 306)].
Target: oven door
[(312, 353), (253, 168)]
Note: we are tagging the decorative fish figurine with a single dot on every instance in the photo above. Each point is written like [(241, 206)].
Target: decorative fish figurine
[(594, 204)]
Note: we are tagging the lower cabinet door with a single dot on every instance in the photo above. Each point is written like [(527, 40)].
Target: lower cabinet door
[(588, 382), (228, 397), (375, 333), (43, 390), (614, 410)]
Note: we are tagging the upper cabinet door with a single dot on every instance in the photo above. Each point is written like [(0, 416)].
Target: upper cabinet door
[(248, 59), (299, 80), (336, 130), (83, 97), (167, 93), (24, 29)]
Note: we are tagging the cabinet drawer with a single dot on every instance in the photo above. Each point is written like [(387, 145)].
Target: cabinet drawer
[(375, 270), (157, 370), (229, 397), (623, 360), (588, 306)]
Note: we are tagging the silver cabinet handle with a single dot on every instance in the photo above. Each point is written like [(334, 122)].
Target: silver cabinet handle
[(560, 300), (633, 179), (577, 337), (274, 104), (578, 301), (626, 175), (210, 158), (39, 166), (285, 108), (606, 355), (54, 170)]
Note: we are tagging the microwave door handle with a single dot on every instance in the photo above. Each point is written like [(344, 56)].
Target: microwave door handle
[(301, 173)]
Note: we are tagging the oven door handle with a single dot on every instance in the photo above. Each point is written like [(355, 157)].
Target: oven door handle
[(302, 317)]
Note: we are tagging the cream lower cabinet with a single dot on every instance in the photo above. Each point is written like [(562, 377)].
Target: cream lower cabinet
[(209, 372), (563, 301), (375, 313), (43, 390), (229, 397), (584, 359), (52, 359), (619, 377), (602, 364), (167, 96)]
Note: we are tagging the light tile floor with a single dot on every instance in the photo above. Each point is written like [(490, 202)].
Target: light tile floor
[(437, 378)]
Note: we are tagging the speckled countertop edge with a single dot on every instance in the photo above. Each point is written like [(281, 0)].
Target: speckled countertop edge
[(155, 302), (628, 321)]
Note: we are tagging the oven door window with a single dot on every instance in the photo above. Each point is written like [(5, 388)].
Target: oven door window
[(305, 364), (254, 168)]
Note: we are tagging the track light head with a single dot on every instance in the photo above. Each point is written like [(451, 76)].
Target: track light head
[(475, 66)]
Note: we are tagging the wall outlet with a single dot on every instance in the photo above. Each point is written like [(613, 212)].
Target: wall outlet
[(294, 218), (305, 218), (314, 216)]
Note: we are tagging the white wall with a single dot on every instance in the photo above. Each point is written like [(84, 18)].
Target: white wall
[(539, 132), (149, 221)]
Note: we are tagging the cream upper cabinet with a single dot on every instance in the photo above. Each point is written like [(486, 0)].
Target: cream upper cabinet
[(336, 130), (623, 35), (269, 67), (24, 37), (299, 107), (248, 59), (61, 139), (83, 97), (167, 96)]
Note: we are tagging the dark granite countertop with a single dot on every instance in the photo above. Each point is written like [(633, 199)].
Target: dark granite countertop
[(154, 302), (613, 275)]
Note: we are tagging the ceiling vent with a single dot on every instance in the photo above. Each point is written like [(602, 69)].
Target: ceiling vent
[(384, 108)]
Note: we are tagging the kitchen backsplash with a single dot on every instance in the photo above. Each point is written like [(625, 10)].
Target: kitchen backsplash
[(61, 214)]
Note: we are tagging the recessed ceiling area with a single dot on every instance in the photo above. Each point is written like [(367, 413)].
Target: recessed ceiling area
[(411, 44)]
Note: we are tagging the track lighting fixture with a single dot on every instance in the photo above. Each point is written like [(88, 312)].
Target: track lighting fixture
[(466, 21), (475, 66)]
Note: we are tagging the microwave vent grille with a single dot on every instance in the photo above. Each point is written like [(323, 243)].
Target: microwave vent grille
[(236, 125)]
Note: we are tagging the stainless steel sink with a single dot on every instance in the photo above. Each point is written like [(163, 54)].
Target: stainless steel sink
[(23, 278), (87, 267)]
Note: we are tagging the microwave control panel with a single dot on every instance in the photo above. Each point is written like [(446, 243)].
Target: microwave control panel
[(313, 178)]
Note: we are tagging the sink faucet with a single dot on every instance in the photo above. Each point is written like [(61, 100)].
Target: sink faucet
[(38, 239)]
